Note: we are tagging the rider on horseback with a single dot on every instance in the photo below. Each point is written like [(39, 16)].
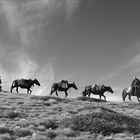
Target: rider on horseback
[(135, 84)]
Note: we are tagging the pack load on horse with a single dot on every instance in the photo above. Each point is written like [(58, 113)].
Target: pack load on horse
[(24, 83), (97, 90), (63, 85), (133, 90)]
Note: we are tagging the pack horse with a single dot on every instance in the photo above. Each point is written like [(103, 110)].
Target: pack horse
[(62, 86), (24, 83)]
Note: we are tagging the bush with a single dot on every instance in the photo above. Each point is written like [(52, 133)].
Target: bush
[(69, 133), (14, 114), (50, 124), (104, 122), (51, 134), (5, 137), (23, 132), (85, 98), (5, 130)]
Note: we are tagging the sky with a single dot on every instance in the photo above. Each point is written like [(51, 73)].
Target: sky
[(86, 41)]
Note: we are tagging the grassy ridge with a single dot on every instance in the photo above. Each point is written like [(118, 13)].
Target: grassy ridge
[(36, 117)]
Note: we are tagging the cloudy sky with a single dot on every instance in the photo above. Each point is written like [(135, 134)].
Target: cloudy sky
[(86, 41)]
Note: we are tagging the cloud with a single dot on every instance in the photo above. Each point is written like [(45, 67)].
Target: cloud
[(46, 76), (23, 17), (109, 76), (132, 67), (27, 68), (135, 60)]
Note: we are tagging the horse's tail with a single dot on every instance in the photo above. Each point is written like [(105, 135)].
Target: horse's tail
[(52, 89), (12, 86), (124, 94)]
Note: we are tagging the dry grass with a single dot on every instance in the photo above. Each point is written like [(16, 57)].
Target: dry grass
[(33, 117)]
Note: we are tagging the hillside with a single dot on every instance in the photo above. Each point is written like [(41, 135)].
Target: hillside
[(27, 117)]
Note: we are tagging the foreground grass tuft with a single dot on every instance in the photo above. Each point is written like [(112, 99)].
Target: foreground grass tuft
[(14, 114), (51, 134), (4, 130), (23, 132), (49, 124)]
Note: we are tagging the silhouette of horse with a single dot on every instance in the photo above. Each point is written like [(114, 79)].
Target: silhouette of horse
[(97, 90), (59, 87), (133, 90), (24, 83)]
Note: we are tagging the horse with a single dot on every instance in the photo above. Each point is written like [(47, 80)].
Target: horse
[(59, 87), (24, 83), (97, 90), (131, 91)]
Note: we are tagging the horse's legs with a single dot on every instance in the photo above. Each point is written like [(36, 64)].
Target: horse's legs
[(51, 92), (56, 93), (29, 91), (138, 98), (124, 94), (12, 89), (89, 95), (104, 97), (66, 94), (17, 89), (130, 97)]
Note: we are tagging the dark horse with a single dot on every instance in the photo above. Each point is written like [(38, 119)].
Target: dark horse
[(97, 90), (133, 90), (24, 83), (58, 87)]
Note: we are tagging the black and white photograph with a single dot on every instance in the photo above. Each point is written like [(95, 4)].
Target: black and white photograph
[(69, 69)]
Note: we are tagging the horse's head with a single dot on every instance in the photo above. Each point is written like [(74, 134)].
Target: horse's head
[(74, 85), (36, 82), (109, 89)]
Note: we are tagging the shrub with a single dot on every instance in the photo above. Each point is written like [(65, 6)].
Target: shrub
[(85, 98), (14, 114), (23, 132), (104, 122), (49, 124), (5, 130), (51, 134), (6, 136), (69, 133)]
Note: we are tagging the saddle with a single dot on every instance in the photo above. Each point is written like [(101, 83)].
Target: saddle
[(98, 87), (24, 81), (63, 84)]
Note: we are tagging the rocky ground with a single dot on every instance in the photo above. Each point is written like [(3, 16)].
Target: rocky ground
[(27, 117)]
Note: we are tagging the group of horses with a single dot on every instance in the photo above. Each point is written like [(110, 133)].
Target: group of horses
[(64, 85)]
